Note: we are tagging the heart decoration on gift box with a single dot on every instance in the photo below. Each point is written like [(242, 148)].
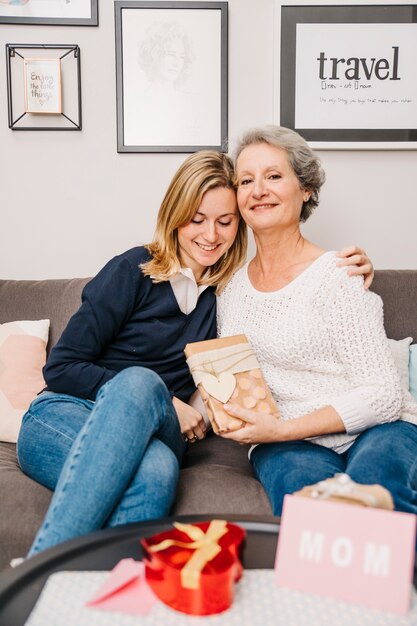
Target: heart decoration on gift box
[(220, 387)]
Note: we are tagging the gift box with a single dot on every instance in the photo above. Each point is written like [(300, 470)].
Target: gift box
[(227, 370), (341, 488), (193, 567)]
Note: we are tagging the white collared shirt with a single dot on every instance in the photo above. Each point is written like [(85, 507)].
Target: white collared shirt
[(186, 290)]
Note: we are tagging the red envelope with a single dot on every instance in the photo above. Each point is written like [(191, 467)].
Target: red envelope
[(125, 590)]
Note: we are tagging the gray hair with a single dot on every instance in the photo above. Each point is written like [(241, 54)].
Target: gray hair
[(305, 163)]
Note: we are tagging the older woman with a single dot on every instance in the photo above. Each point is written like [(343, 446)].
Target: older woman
[(319, 337)]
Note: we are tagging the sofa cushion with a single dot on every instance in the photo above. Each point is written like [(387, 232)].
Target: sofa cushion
[(22, 357), (220, 490), (55, 300), (398, 289), (217, 478), (23, 506)]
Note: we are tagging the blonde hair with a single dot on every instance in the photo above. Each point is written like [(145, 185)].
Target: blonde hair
[(200, 172)]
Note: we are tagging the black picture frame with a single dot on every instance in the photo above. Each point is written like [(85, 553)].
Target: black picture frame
[(70, 117), (179, 104), (13, 14), (288, 96)]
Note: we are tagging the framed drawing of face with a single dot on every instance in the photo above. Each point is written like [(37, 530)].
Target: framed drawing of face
[(171, 74)]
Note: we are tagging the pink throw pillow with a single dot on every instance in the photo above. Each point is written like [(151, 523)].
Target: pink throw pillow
[(22, 357)]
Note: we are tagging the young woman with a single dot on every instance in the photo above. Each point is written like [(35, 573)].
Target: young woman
[(319, 337), (108, 433)]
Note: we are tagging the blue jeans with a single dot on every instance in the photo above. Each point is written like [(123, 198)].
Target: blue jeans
[(110, 462), (385, 454)]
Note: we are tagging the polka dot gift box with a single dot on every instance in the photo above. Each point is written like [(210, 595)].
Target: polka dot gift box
[(226, 370)]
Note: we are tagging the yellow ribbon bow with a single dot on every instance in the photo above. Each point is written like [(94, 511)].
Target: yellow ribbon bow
[(206, 548)]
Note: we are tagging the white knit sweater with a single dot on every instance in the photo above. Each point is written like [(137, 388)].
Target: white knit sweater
[(320, 341)]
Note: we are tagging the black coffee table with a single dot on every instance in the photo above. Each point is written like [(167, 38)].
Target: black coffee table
[(20, 587)]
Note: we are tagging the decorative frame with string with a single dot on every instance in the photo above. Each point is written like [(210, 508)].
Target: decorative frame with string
[(49, 96)]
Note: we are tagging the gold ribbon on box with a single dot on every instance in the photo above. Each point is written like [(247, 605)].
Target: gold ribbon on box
[(205, 545)]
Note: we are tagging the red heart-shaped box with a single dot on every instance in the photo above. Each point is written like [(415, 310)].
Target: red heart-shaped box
[(217, 578)]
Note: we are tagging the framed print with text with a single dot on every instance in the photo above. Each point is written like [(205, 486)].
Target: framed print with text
[(42, 85), (171, 75), (347, 74), (53, 12)]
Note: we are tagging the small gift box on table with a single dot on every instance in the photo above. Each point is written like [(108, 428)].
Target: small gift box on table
[(193, 567), (227, 370), (341, 488)]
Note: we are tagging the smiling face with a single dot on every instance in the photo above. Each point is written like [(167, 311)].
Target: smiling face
[(211, 232), (269, 193)]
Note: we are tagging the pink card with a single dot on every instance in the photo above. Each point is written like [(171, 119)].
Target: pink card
[(350, 553), (125, 590)]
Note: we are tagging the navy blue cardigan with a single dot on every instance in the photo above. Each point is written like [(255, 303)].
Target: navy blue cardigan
[(126, 320)]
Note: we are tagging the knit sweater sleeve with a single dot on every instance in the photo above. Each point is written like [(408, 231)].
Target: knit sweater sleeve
[(107, 302), (354, 318)]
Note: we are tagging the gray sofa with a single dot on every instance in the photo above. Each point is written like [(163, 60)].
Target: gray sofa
[(216, 476)]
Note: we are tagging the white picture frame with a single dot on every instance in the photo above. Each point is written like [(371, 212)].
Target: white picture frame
[(49, 12)]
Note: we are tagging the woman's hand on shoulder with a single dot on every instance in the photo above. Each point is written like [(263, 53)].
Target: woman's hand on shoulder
[(256, 428), (191, 421), (360, 262)]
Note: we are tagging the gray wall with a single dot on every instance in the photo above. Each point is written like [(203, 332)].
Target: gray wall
[(69, 201)]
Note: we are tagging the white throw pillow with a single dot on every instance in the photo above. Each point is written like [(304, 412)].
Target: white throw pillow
[(400, 350), (22, 357)]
